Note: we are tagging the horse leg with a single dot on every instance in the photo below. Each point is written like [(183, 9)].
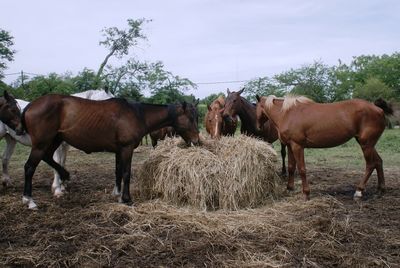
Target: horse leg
[(154, 142), (283, 154), (118, 175), (59, 156), (126, 162), (30, 166), (10, 146), (298, 153), (372, 161), (291, 169)]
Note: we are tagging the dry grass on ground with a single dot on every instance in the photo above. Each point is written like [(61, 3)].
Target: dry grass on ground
[(87, 228)]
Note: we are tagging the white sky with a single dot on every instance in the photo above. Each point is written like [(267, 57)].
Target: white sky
[(203, 40)]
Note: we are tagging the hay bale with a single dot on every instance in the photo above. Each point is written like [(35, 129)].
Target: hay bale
[(231, 173)]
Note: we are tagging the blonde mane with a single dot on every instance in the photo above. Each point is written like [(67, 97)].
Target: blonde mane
[(288, 101), (292, 100)]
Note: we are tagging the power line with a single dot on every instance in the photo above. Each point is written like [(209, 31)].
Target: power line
[(221, 82), (197, 83)]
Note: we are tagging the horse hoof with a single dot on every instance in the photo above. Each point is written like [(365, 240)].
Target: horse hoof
[(29, 201), (381, 191), (127, 202), (306, 197), (290, 188), (115, 192), (58, 192), (357, 195)]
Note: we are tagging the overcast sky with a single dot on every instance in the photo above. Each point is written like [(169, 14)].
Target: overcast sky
[(203, 40)]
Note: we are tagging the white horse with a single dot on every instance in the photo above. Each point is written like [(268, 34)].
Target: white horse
[(59, 155)]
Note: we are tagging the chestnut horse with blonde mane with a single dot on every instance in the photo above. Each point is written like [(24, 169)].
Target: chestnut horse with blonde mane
[(215, 125), (303, 123)]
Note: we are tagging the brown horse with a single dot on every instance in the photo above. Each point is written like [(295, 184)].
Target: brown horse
[(215, 125), (160, 134), (113, 125), (304, 124), (10, 113), (237, 105)]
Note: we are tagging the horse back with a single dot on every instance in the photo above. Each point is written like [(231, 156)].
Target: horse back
[(85, 124)]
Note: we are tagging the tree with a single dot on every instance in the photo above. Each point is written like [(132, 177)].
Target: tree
[(85, 80), (372, 90), (128, 77), (385, 68), (164, 86), (210, 98), (263, 86), (118, 42), (42, 85), (6, 52)]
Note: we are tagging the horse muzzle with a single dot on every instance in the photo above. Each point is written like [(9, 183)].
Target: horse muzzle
[(19, 130)]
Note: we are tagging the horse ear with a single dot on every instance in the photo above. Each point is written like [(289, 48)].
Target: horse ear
[(241, 91), (228, 91), (7, 96), (184, 104), (197, 102), (209, 107), (258, 98)]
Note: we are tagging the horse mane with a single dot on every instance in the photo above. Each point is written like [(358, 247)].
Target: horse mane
[(288, 101), (292, 100), (221, 101)]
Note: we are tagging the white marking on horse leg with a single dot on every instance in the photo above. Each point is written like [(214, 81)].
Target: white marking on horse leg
[(358, 194), (26, 200), (58, 192), (115, 192)]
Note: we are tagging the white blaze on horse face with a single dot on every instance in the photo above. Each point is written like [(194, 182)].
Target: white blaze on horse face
[(216, 126)]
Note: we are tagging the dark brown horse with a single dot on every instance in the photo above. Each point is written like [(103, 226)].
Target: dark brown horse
[(10, 113), (113, 125), (214, 123), (304, 124), (160, 134), (237, 105)]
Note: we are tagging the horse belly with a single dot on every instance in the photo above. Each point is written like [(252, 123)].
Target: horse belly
[(326, 138), (89, 140)]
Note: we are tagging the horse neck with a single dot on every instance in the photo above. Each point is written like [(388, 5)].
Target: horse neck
[(157, 116), (247, 115), (275, 113)]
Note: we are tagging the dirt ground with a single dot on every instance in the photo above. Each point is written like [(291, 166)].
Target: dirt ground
[(87, 228)]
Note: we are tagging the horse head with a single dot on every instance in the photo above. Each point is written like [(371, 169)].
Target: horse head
[(186, 122), (10, 113), (214, 121), (260, 112), (232, 105)]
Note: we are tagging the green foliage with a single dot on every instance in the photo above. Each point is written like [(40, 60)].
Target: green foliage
[(263, 86), (164, 86), (85, 80), (6, 51), (42, 85), (373, 89), (209, 99)]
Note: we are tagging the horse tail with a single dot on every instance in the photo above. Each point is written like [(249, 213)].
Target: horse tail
[(386, 107)]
